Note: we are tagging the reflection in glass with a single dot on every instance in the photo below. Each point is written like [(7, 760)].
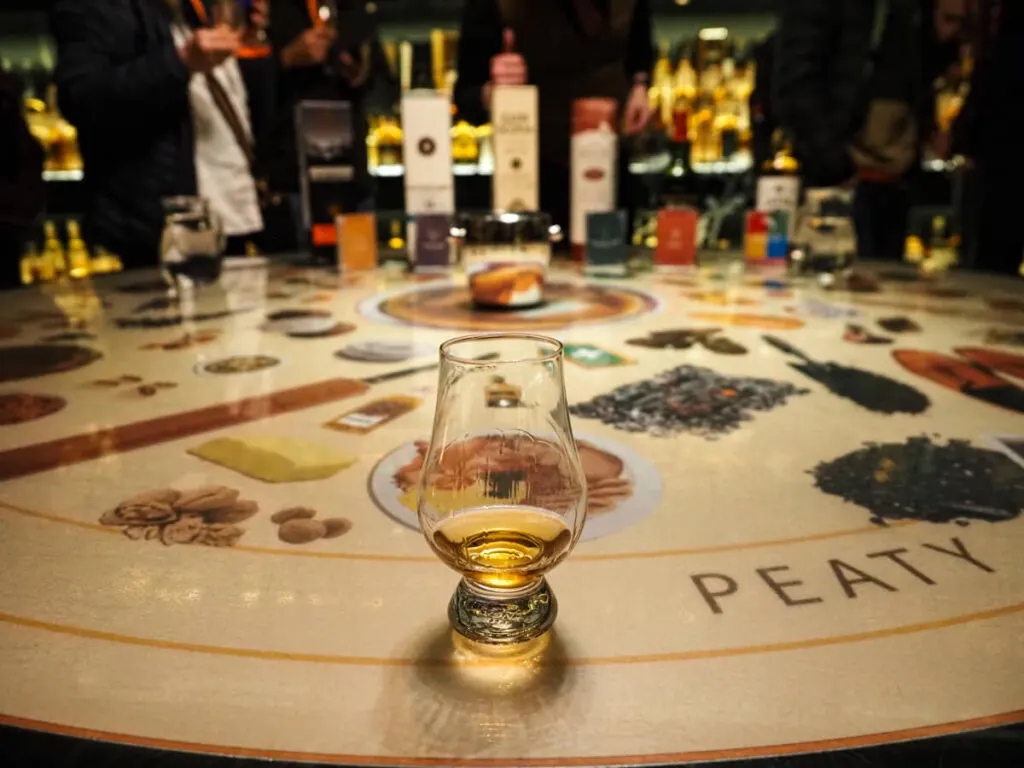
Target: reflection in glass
[(503, 494)]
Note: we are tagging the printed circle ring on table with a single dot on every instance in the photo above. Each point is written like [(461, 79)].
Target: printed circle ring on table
[(236, 364), (450, 306), (624, 469)]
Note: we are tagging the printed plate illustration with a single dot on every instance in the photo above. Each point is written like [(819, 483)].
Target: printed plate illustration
[(17, 363), (925, 480), (963, 377), (450, 306), (18, 407), (239, 364), (624, 488)]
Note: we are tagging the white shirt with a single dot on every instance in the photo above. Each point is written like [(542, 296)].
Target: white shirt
[(222, 170)]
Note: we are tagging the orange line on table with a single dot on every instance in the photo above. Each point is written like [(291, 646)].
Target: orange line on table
[(651, 658), (594, 557), (664, 758)]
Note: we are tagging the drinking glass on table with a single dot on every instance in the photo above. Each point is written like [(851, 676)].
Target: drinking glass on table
[(502, 494), (232, 14)]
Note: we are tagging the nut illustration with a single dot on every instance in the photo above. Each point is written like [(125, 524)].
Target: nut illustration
[(204, 516), (164, 496), (220, 535), (293, 513), (301, 531), (153, 513), (336, 526), (206, 499), (183, 531), (238, 512)]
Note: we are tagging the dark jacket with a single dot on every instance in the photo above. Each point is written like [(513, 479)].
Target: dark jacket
[(820, 57), (289, 19), (122, 84), (824, 77)]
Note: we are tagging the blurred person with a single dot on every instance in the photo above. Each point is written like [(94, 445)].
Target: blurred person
[(313, 67), (135, 80), (988, 131), (22, 191), (225, 149), (569, 49), (853, 84)]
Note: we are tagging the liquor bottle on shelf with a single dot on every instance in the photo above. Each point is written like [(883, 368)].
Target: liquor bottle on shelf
[(727, 116), (778, 186), (680, 183), (660, 91), (465, 147), (388, 143), (53, 250), (684, 97), (78, 253), (372, 149), (397, 241), (941, 250), (64, 152), (104, 262), (706, 143), (30, 271)]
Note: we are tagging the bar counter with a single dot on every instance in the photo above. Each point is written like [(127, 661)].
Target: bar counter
[(804, 529)]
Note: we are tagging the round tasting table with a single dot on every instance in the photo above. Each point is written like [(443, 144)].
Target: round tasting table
[(808, 540)]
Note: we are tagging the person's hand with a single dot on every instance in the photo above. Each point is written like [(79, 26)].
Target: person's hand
[(355, 69), (259, 14), (638, 111), (207, 49), (309, 48), (950, 19), (508, 67)]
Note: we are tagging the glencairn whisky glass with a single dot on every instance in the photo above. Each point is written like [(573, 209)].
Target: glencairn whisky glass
[(503, 495)]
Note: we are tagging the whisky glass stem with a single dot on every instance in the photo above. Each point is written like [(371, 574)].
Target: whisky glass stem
[(502, 617)]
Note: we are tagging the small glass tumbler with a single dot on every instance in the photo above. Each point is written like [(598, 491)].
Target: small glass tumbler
[(503, 495), (193, 240)]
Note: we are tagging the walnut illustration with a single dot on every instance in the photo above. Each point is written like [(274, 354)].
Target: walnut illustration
[(152, 513), (201, 516), (238, 512), (219, 535), (162, 496), (183, 531), (206, 499)]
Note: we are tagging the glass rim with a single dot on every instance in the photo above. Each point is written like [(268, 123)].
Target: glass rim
[(555, 354)]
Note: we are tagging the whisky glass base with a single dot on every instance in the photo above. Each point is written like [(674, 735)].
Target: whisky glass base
[(487, 616)]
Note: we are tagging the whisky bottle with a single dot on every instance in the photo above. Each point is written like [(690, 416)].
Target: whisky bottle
[(78, 253), (660, 92), (684, 98), (941, 250), (465, 147), (389, 143), (778, 186), (679, 186), (706, 143), (396, 242), (372, 145), (30, 265), (53, 251)]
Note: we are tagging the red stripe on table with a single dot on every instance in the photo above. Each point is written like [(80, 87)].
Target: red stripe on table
[(41, 457)]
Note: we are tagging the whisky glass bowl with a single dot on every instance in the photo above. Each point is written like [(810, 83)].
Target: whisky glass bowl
[(502, 496)]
